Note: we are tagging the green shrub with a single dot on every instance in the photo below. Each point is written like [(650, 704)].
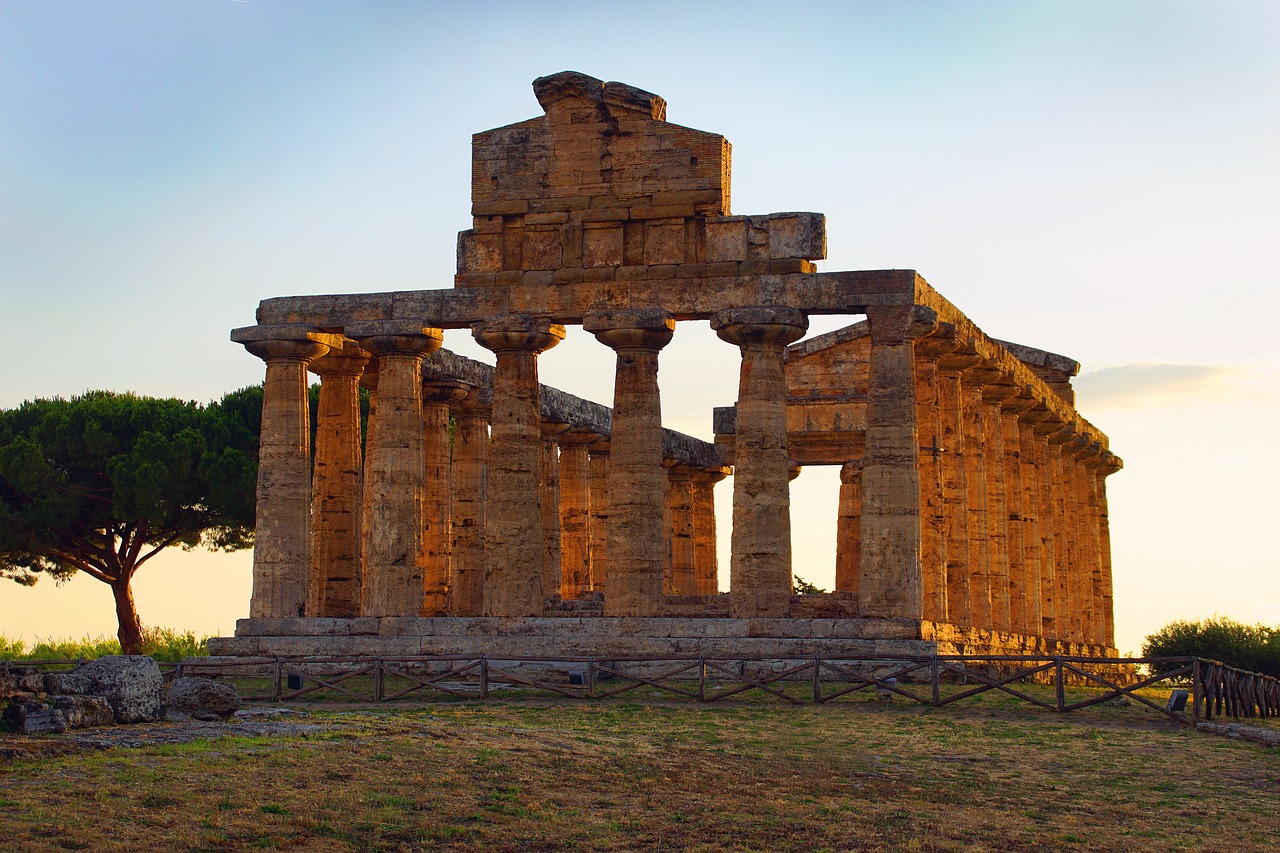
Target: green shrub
[(1255, 648), (163, 644)]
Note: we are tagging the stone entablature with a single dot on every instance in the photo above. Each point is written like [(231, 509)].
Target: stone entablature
[(602, 214)]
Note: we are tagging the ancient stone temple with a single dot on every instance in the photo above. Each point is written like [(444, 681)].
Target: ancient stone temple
[(483, 512)]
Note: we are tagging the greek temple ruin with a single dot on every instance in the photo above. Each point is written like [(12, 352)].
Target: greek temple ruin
[(485, 513)]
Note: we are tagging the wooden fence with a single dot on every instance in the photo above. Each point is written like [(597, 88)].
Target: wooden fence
[(1213, 689)]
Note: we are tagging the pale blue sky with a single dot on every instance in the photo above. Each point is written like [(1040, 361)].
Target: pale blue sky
[(1094, 178)]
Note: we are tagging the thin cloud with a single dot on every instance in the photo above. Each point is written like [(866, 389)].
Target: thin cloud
[(1132, 385)]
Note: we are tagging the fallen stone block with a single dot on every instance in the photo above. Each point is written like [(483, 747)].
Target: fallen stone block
[(131, 684), (201, 699), (67, 683), (84, 712), (32, 717)]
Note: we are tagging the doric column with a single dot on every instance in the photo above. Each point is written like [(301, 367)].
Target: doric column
[(395, 468), (976, 423), (849, 528), (889, 575), (1052, 607), (667, 465), (552, 555), (1087, 463), (955, 494), (760, 567), (470, 483), (599, 475), (994, 397), (575, 512), (336, 480), (933, 515), (513, 514), (282, 539), (438, 395), (683, 573), (1083, 564), (1110, 465), (1064, 539), (636, 476), (1015, 536), (1032, 545), (706, 566)]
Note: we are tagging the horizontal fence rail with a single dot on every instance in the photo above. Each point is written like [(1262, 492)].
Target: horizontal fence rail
[(1213, 688)]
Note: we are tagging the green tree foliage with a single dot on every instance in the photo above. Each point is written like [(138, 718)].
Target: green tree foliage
[(804, 587), (1255, 648), (102, 483)]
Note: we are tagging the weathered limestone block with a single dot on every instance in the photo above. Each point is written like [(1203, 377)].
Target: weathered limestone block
[(636, 531), (395, 468), (131, 684), (201, 698), (33, 717), (282, 543), (890, 582), (760, 568), (337, 486), (84, 712), (513, 523), (66, 683)]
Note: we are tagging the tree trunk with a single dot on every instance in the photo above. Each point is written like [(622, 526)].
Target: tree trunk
[(130, 630)]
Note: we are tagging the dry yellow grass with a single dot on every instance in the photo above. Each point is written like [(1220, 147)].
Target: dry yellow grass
[(656, 775)]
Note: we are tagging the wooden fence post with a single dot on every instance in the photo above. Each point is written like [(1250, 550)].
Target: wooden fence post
[(1196, 690), (1059, 685)]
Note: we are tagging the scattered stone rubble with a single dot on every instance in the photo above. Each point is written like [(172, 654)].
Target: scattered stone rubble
[(119, 689)]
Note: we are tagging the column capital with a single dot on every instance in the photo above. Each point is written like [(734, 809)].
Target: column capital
[(348, 360), (710, 476), (286, 342), (897, 324), (551, 431), (982, 374), (851, 472), (396, 337), (443, 390), (1000, 395), (620, 330), (578, 435), (1019, 405), (760, 325), (517, 332), (941, 341)]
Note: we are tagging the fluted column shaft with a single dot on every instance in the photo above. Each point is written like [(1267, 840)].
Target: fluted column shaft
[(706, 565), (849, 528), (437, 496), (683, 573), (1050, 605), (890, 582), (760, 567), (599, 473), (513, 517), (994, 398), (395, 477), (282, 543), (975, 450), (552, 552), (470, 489), (1110, 466), (1015, 515), (336, 487), (636, 477), (575, 513), (933, 515), (955, 495)]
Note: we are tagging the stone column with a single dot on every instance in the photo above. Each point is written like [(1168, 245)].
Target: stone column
[(849, 528), (994, 397), (395, 468), (513, 516), (1051, 558), (955, 496), (1087, 487), (706, 567), (760, 569), (889, 582), (1110, 465), (575, 512), (336, 486), (683, 572), (470, 476), (282, 543), (933, 516), (1032, 546), (1065, 544), (636, 476), (599, 487), (552, 555), (980, 552), (1014, 489), (1082, 562), (438, 395)]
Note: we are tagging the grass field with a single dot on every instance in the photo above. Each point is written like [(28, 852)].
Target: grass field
[(540, 774)]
